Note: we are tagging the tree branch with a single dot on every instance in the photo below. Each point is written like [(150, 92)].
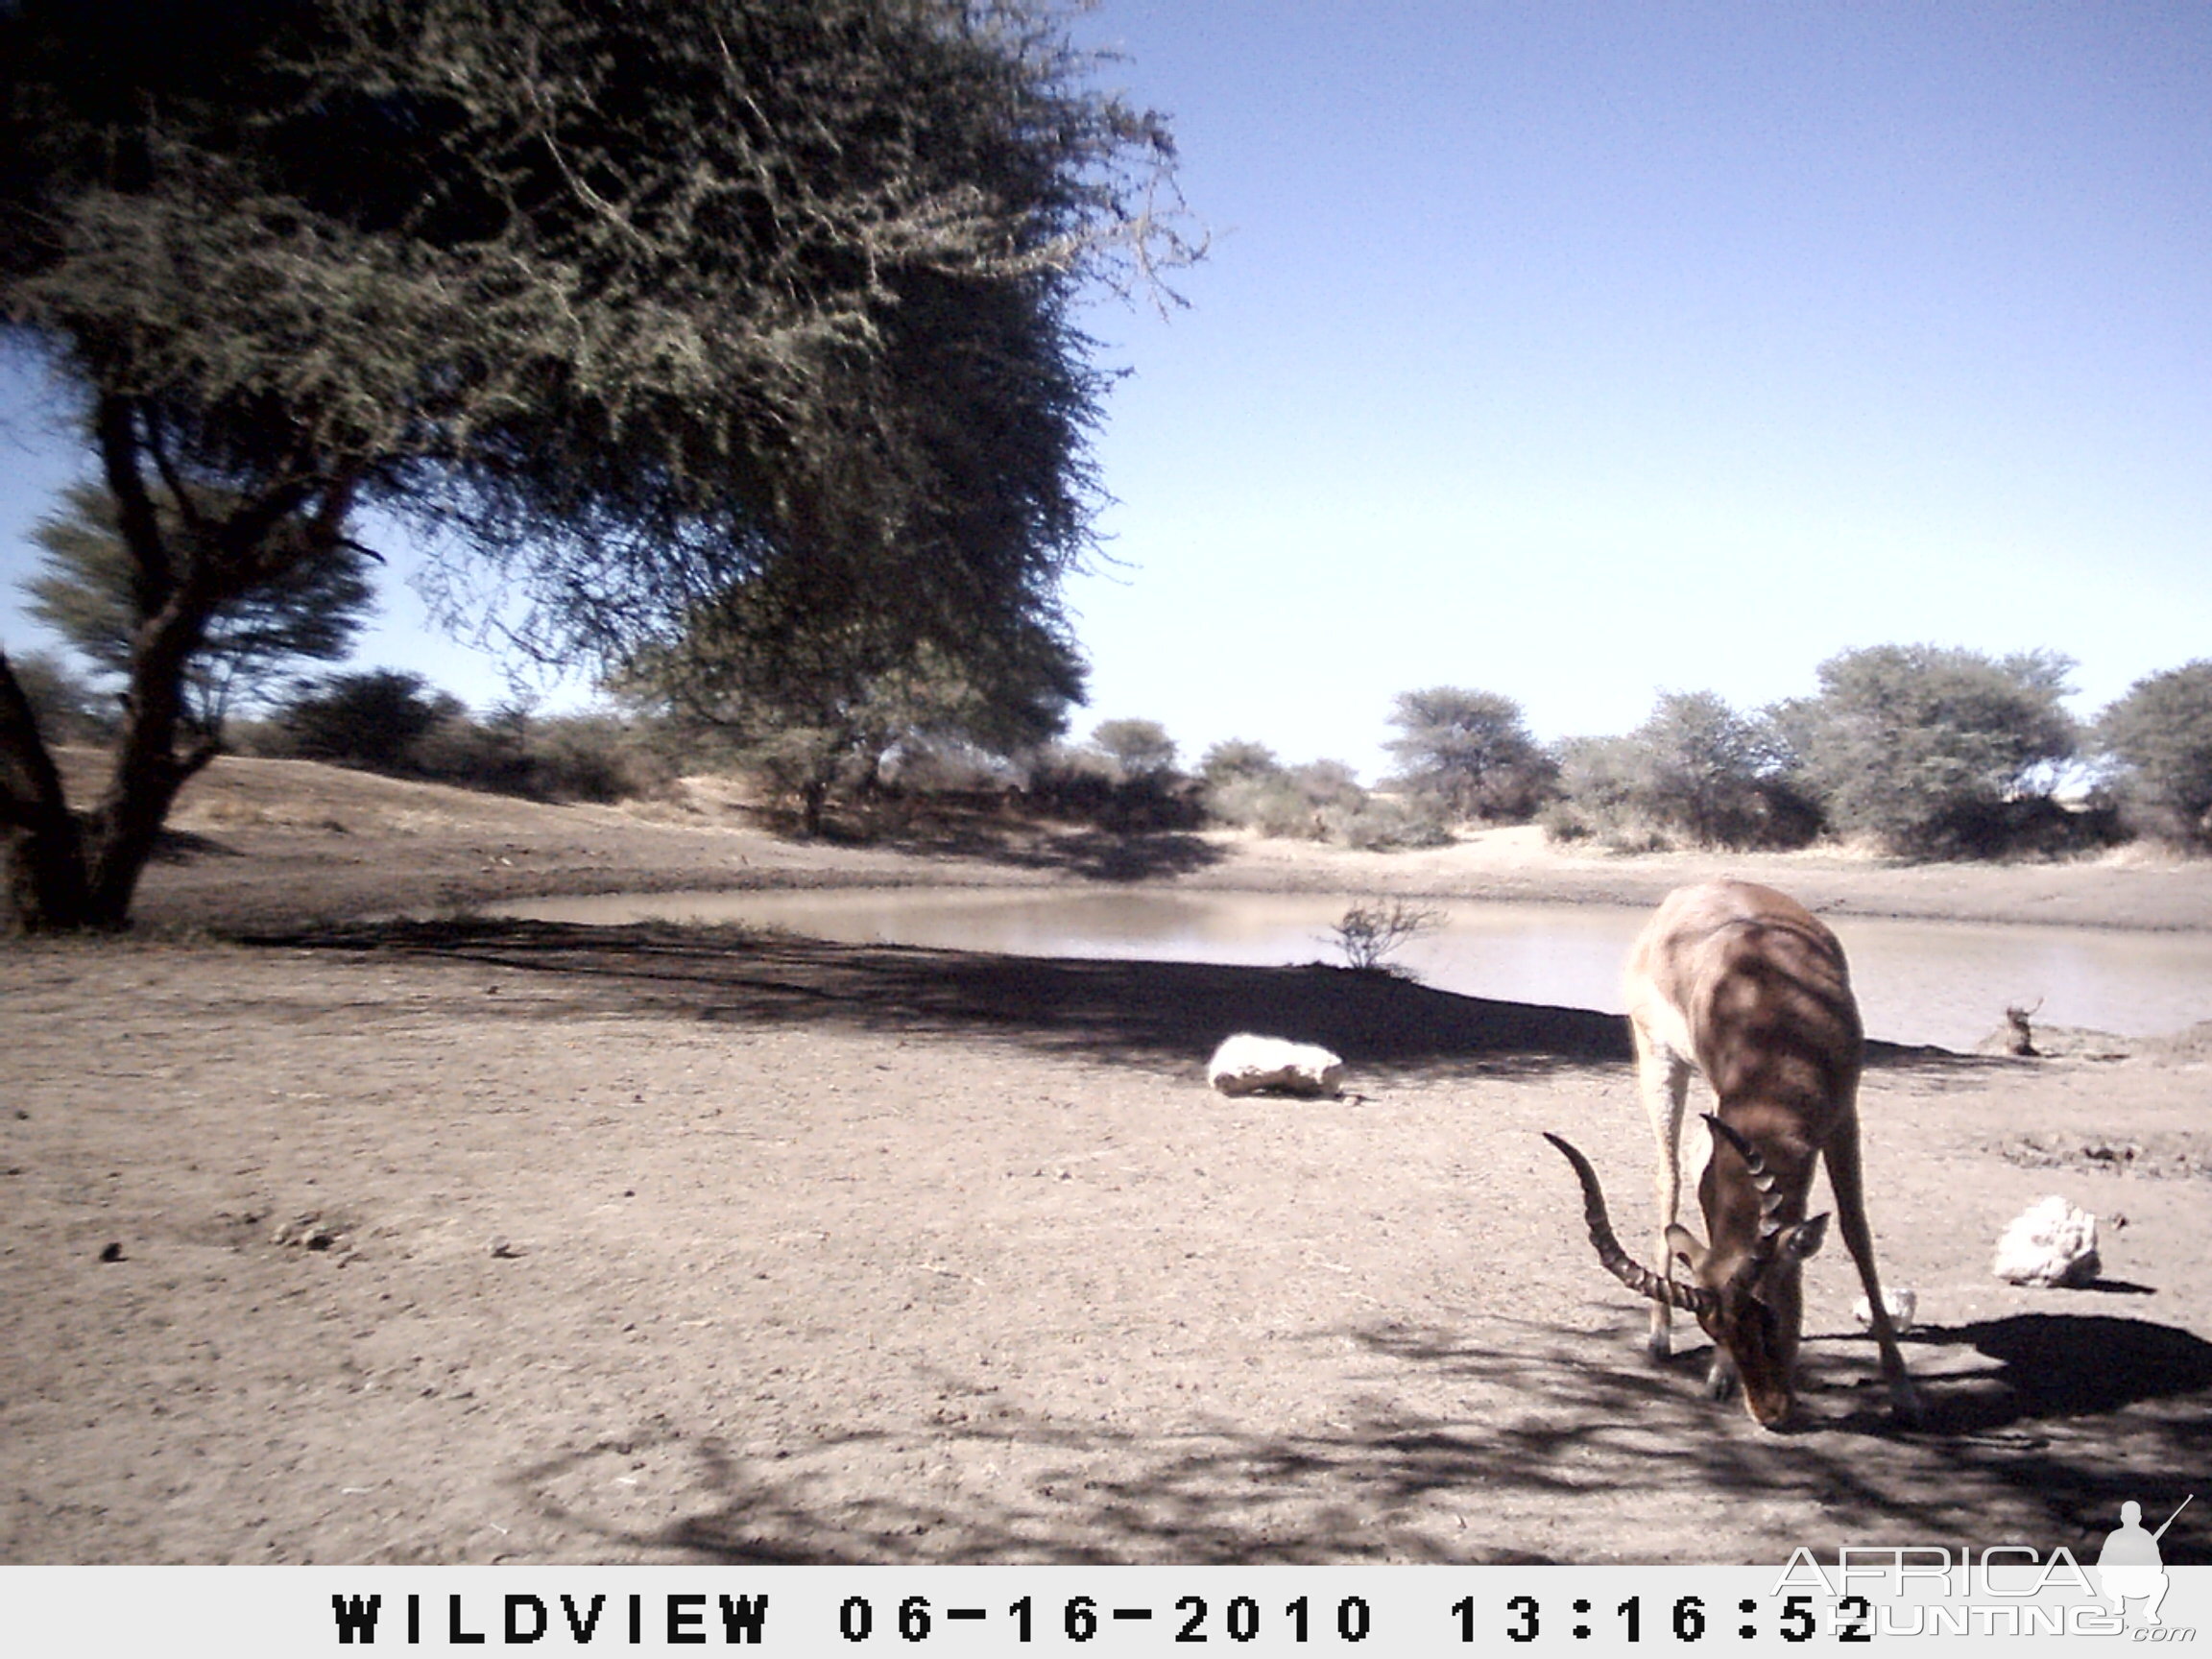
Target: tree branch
[(115, 427)]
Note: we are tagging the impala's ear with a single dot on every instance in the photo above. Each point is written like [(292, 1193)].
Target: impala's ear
[(1804, 1239), (1683, 1246), (1792, 1245)]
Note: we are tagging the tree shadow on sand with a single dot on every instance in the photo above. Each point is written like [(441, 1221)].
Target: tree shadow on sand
[(1149, 1012), (1603, 1458)]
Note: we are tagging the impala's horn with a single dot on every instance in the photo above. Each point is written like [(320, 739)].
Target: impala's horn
[(1770, 1200), (1690, 1298)]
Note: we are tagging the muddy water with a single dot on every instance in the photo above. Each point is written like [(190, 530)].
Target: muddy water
[(1945, 983)]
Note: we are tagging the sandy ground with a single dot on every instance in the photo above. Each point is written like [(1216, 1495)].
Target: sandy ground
[(345, 1240)]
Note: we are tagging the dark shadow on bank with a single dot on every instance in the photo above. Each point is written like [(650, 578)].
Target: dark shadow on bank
[(1151, 1013), (1559, 1420), (1148, 1012)]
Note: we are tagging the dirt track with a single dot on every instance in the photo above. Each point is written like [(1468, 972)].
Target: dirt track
[(501, 1242)]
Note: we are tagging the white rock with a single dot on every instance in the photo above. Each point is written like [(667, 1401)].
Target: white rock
[(2053, 1242), (1246, 1064), (1902, 1305)]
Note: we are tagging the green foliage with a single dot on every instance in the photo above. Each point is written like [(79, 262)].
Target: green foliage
[(1470, 752), (394, 722), (631, 293), (2160, 733), (1287, 802), (798, 680), (1234, 758), (628, 304), (372, 719), (1247, 787), (1387, 824), (1597, 796), (1934, 751), (1135, 748), (313, 607), (1701, 768), (1273, 804), (1088, 786), (1696, 774)]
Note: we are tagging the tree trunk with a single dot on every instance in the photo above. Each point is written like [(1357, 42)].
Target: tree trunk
[(45, 854), (149, 771), (62, 875), (813, 794)]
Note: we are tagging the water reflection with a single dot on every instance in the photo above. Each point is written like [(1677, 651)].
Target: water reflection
[(1945, 983)]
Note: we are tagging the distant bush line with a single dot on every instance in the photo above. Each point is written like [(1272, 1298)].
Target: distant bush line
[(1920, 751)]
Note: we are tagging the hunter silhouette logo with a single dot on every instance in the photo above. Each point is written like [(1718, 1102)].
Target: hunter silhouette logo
[(2129, 1566)]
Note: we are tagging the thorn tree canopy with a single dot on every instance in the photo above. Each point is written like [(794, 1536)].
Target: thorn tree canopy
[(2161, 735), (1469, 750), (314, 609), (811, 683), (1923, 746), (625, 304)]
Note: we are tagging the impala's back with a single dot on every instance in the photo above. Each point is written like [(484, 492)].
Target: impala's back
[(1753, 987)]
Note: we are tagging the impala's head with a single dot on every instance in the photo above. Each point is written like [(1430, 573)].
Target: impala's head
[(1745, 1297)]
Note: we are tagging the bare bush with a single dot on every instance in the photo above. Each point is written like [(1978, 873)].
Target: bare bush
[(1368, 935)]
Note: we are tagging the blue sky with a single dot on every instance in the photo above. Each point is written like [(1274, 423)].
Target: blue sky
[(1581, 351)]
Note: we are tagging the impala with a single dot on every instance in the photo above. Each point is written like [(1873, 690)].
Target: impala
[(1751, 988)]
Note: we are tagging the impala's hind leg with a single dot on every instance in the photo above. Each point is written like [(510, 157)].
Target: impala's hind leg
[(1842, 1156), (1663, 1080)]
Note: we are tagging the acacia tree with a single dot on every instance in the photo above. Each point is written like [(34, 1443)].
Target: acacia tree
[(1930, 748), (628, 305), (371, 718), (1719, 777), (2161, 735), (1236, 760), (809, 685), (313, 607), (1471, 751), (1134, 748)]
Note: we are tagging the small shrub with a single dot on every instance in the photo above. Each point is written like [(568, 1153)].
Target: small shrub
[(1273, 805), (1135, 748), (1367, 935), (1321, 801), (1596, 789), (594, 757), (1087, 787), (372, 719), (1388, 823), (1696, 774)]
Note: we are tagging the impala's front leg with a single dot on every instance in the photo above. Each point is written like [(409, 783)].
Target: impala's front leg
[(1844, 1177), (1663, 1080)]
